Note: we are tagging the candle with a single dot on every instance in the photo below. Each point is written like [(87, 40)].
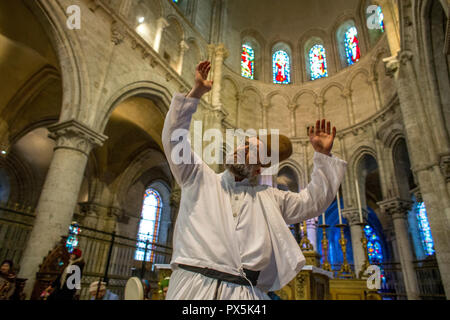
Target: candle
[(323, 218), (339, 207), (359, 200)]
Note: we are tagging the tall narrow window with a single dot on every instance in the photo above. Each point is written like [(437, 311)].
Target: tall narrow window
[(248, 62), (380, 18), (352, 46), (318, 62), (281, 67), (149, 225), (374, 249), (424, 229)]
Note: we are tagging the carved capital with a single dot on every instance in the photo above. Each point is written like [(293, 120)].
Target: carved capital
[(161, 23), (320, 101), (347, 93), (395, 207), (117, 33), (444, 164), (352, 215), (391, 65), (221, 51), (405, 56), (76, 136), (183, 46)]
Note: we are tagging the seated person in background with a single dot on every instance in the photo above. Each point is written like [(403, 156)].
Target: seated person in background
[(59, 289), (103, 294), (7, 280)]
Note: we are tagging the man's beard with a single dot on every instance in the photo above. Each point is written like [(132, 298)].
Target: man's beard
[(242, 171)]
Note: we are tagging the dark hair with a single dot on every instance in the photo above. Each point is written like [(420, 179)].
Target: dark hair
[(11, 264)]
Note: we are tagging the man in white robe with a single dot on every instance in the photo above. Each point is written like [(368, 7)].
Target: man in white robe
[(228, 229)]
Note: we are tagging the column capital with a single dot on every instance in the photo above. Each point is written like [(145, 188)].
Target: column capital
[(391, 65), (405, 56), (76, 136), (183, 46), (221, 51), (444, 164), (320, 101), (347, 93), (352, 215), (162, 23), (396, 207)]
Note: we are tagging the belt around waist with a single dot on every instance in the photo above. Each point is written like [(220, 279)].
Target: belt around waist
[(211, 273)]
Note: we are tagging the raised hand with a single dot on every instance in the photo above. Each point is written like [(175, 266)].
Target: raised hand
[(202, 84), (322, 137)]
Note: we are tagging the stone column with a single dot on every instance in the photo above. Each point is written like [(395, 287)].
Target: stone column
[(213, 119), (55, 209), (239, 98), (292, 108), (430, 168), (398, 210), (319, 102), (124, 7), (265, 109), (373, 82), (183, 47), (221, 53), (175, 198), (161, 24), (347, 95), (356, 233)]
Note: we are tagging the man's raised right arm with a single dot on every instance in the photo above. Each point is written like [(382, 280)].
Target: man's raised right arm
[(184, 163)]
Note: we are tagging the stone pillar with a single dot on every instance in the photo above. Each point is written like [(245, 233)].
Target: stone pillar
[(293, 131), (429, 168), (161, 24), (175, 198), (183, 47), (213, 119), (373, 82), (4, 138), (319, 102), (239, 98), (347, 95), (265, 120), (55, 209), (356, 233), (221, 53), (398, 210)]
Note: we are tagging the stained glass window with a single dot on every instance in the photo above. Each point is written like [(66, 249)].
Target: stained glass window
[(352, 46), (72, 239), (149, 225), (176, 1), (424, 229), (374, 249), (248, 62), (380, 18), (318, 62), (281, 67)]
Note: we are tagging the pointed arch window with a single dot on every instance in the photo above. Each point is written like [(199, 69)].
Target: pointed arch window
[(351, 43), (281, 67), (374, 249), (318, 62), (248, 62), (149, 225)]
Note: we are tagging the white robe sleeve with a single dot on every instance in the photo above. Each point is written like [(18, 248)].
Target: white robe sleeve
[(184, 163), (312, 201)]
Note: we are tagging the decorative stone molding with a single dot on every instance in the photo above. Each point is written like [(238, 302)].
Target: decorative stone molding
[(221, 51), (444, 164), (76, 136), (352, 215), (117, 33), (391, 65), (396, 207), (405, 56), (119, 214)]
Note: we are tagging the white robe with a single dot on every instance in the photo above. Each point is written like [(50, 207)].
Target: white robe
[(205, 234)]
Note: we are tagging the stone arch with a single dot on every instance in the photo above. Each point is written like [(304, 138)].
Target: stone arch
[(295, 167), (287, 47), (308, 39), (251, 109), (278, 113), (306, 111), (159, 93), (170, 41), (230, 95)]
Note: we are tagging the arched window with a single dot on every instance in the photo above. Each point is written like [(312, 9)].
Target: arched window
[(318, 62), (352, 46), (248, 62), (380, 18), (424, 228), (149, 224), (281, 67), (72, 239)]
